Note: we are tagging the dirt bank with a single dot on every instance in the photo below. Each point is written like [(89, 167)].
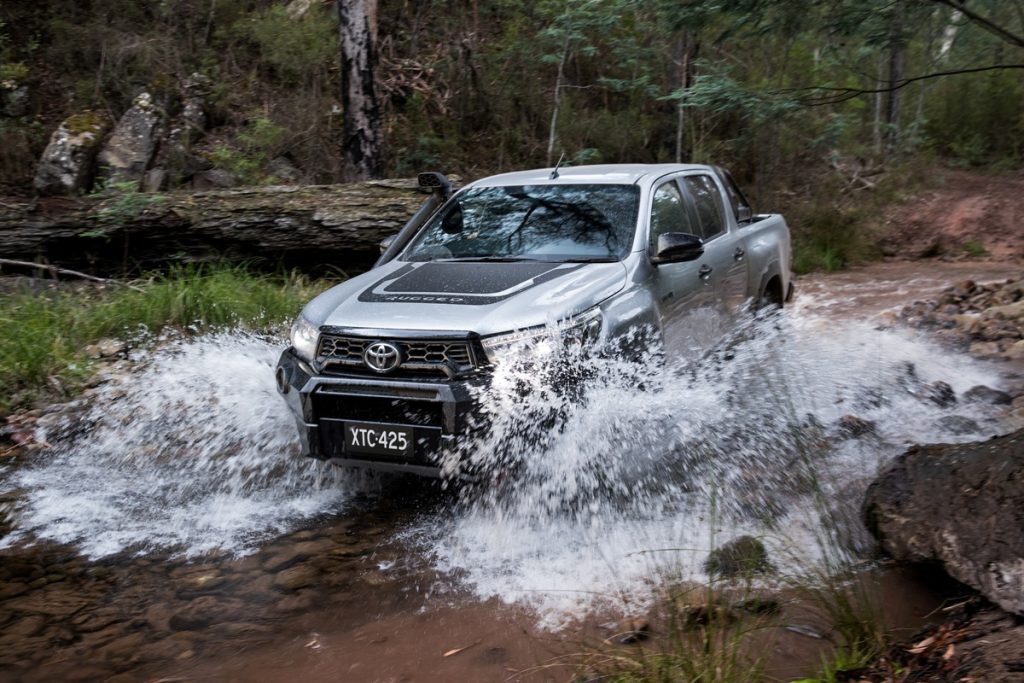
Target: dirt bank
[(965, 215)]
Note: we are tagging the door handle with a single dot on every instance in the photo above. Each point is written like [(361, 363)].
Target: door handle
[(704, 272), (739, 254)]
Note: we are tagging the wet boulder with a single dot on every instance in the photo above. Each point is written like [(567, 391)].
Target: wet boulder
[(67, 165), (961, 506), (127, 154), (852, 427), (939, 393), (984, 394), (741, 556)]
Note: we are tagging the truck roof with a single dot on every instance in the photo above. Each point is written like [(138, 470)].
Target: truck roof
[(618, 174)]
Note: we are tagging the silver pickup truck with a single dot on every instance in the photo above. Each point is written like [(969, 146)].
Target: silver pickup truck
[(382, 368)]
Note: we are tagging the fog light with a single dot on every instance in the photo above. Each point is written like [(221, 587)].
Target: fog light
[(282, 381)]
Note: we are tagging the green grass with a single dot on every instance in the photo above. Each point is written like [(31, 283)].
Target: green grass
[(975, 249), (828, 238), (42, 348)]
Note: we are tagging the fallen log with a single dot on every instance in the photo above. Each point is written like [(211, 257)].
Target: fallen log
[(310, 227)]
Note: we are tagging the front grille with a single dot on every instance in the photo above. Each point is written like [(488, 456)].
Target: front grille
[(379, 409), (344, 355)]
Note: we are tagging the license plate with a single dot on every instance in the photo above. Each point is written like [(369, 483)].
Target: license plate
[(379, 439)]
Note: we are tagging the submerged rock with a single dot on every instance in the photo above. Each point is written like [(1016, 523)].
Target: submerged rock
[(959, 505), (851, 426), (67, 165), (958, 424), (939, 393), (983, 394)]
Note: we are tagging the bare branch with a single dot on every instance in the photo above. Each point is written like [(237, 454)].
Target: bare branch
[(54, 270), (984, 22), (837, 95)]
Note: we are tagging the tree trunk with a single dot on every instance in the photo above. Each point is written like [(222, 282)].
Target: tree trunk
[(897, 58), (553, 129), (684, 50), (361, 126), (306, 227), (876, 127)]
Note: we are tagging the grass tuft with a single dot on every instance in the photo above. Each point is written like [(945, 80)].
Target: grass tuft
[(45, 332)]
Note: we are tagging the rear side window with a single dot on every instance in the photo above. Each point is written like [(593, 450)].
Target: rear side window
[(669, 214), (708, 201)]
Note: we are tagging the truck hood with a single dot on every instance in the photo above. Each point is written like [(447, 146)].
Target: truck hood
[(482, 297)]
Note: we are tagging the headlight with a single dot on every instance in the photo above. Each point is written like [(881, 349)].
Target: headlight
[(580, 331), (304, 338)]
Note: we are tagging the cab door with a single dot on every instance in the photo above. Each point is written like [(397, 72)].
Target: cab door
[(685, 291), (724, 246)]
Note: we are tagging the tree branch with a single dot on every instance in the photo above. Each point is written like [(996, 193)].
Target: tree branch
[(983, 22), (837, 95), (54, 270)]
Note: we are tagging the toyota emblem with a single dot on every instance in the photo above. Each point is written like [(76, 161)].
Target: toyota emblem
[(382, 357)]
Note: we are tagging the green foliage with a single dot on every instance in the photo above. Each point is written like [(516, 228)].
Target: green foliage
[(828, 238), (46, 331), (12, 73), (975, 249), (122, 202), (246, 159), (291, 47)]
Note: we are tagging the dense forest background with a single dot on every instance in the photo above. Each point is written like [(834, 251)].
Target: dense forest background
[(815, 99)]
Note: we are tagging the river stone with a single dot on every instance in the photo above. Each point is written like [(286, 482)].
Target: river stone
[(958, 424), (851, 426), (939, 393), (12, 589), (68, 162), (52, 602), (959, 505), (740, 556), (296, 577), (983, 394), (202, 611), (300, 602), (29, 626), (127, 154)]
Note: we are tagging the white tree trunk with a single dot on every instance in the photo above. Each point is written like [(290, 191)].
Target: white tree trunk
[(553, 130)]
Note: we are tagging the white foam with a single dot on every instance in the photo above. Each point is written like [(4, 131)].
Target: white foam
[(194, 453), (725, 448)]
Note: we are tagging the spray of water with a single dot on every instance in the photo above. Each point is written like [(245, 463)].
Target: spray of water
[(636, 471), (600, 475), (193, 453)]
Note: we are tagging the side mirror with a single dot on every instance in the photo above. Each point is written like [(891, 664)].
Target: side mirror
[(677, 247), (744, 214), (387, 242)]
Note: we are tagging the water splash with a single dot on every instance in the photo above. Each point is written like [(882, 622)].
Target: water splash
[(193, 453), (630, 472), (640, 471)]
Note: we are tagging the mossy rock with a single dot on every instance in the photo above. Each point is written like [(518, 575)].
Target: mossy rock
[(86, 122)]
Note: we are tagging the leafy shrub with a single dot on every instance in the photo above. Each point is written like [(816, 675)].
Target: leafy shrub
[(252, 148)]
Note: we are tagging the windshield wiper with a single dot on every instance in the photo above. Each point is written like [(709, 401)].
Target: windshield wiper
[(498, 259)]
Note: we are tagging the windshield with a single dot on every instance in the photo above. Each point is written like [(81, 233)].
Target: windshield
[(531, 223)]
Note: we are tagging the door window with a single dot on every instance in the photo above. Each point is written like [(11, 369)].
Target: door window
[(708, 201), (669, 214)]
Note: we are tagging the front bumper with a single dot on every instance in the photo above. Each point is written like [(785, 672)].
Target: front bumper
[(438, 411)]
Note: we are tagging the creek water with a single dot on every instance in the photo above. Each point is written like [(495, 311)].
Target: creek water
[(171, 521)]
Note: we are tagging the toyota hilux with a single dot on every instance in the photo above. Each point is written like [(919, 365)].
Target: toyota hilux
[(382, 369)]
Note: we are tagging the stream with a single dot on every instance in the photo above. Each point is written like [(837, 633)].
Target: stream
[(170, 530)]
